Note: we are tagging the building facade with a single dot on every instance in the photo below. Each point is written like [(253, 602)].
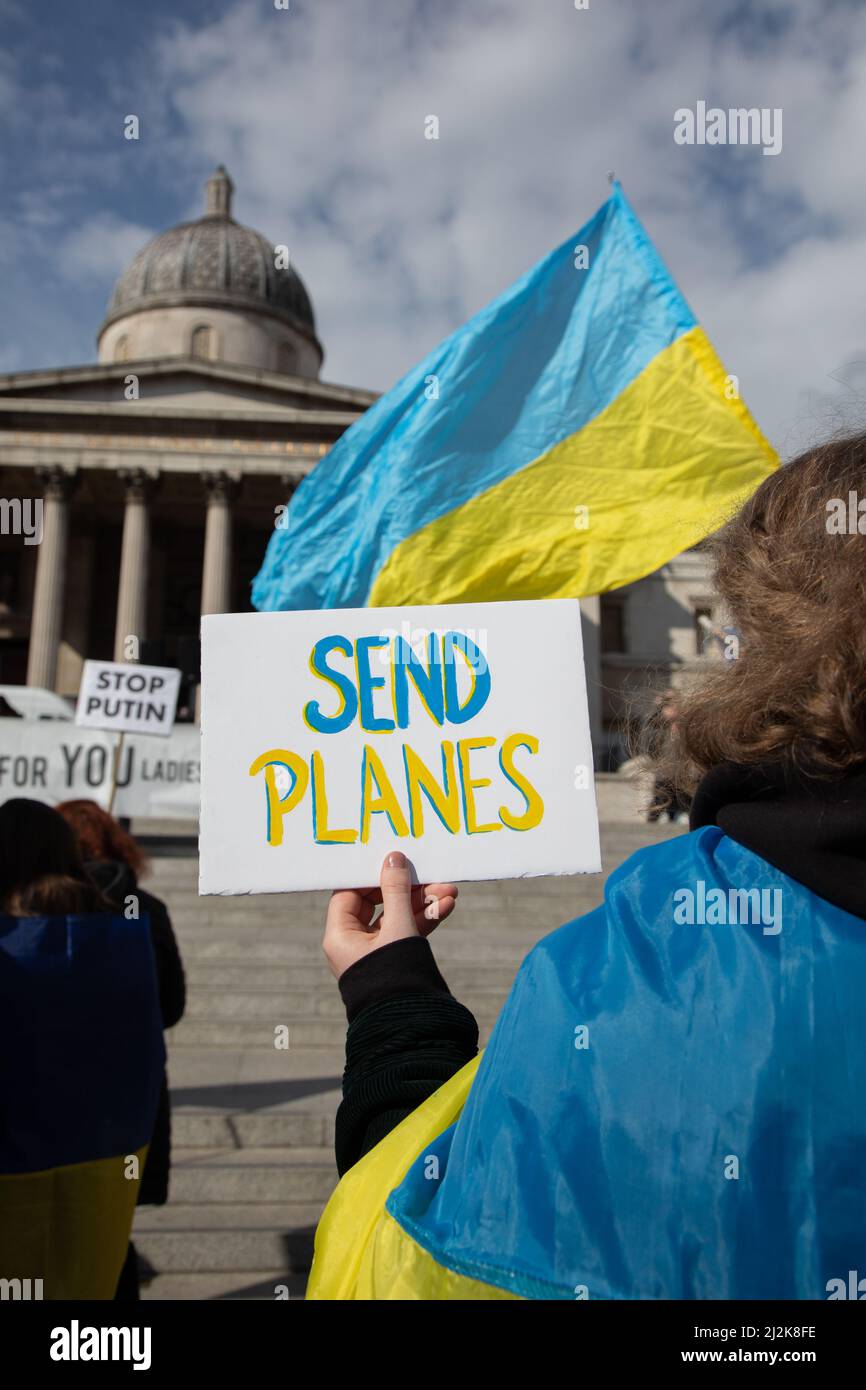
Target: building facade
[(162, 467)]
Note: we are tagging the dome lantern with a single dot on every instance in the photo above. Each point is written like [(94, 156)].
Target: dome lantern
[(219, 189)]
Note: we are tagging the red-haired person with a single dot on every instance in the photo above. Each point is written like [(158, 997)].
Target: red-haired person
[(82, 1061), (114, 862)]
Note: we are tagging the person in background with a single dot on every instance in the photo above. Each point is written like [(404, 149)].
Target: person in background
[(41, 868), (82, 1059), (114, 862)]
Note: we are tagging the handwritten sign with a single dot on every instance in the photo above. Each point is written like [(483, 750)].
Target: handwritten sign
[(458, 734), (127, 697)]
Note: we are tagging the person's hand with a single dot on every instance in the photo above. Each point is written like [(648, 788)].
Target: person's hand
[(350, 931)]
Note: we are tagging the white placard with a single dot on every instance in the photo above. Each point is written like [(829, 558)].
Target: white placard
[(320, 754), (127, 698), (50, 760)]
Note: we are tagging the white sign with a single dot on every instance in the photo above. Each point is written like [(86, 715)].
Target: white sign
[(52, 761), (127, 698), (458, 734)]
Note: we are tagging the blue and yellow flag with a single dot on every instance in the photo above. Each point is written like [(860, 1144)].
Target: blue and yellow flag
[(81, 1065), (570, 438), (664, 1110)]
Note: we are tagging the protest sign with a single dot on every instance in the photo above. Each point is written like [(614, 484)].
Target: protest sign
[(127, 698), (457, 733), (52, 761)]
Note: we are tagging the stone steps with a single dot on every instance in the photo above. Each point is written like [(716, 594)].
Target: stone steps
[(252, 1125), (315, 981), (280, 1129), (234, 1285), (215, 1237), (237, 1176)]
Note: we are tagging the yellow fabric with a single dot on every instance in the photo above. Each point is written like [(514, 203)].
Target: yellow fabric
[(355, 1212), (69, 1226), (665, 464), (395, 1267)]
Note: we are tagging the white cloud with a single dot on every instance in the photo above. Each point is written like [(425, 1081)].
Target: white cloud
[(318, 112), (101, 245)]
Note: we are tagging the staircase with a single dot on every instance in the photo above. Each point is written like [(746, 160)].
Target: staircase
[(253, 1124)]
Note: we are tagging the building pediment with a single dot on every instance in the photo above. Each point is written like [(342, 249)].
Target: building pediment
[(184, 385)]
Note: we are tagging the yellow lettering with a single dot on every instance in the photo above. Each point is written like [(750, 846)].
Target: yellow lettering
[(373, 775), (278, 806), (322, 832), (534, 804), (465, 747), (444, 800)]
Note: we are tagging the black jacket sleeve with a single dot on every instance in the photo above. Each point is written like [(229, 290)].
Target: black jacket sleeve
[(407, 1036), (170, 979)]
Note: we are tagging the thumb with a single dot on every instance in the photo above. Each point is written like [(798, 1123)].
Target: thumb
[(395, 881)]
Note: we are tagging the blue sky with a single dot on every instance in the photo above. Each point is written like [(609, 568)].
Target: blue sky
[(319, 115)]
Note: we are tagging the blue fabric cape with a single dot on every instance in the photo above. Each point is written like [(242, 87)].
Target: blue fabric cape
[(708, 1141)]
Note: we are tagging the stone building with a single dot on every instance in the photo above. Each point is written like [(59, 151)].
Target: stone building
[(161, 467)]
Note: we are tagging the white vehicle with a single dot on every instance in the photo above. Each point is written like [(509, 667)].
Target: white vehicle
[(32, 702)]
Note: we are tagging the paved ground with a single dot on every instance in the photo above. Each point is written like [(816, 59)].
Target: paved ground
[(253, 1125)]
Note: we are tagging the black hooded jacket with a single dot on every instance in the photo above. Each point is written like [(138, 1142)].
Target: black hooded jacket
[(118, 883)]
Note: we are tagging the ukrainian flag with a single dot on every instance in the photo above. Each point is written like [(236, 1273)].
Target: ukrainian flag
[(81, 1064), (662, 1111), (570, 438)]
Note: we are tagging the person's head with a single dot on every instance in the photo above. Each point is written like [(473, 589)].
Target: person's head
[(41, 869), (791, 571), (100, 837)]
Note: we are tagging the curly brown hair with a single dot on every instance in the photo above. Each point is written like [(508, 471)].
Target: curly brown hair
[(794, 583)]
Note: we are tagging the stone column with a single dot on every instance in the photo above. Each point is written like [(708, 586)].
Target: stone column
[(216, 583), (47, 619), (590, 612), (134, 560)]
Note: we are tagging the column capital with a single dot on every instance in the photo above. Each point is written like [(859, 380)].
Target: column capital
[(58, 483), (139, 483), (221, 486), (290, 481)]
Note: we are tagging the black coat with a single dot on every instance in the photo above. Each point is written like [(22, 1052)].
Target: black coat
[(117, 882)]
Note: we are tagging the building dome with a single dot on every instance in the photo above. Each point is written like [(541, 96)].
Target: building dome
[(221, 276)]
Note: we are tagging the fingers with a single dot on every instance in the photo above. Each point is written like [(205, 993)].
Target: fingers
[(395, 881), (349, 908), (423, 894), (407, 909), (433, 912)]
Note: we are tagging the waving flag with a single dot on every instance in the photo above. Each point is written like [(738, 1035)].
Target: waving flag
[(570, 438), (81, 1066)]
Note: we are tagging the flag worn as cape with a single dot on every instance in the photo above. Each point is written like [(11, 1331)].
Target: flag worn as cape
[(81, 1064), (664, 1110), (572, 437)]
